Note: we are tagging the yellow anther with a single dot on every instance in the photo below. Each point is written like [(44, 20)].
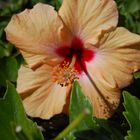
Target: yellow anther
[(64, 74)]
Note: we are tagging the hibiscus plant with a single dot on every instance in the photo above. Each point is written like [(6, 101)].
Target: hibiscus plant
[(69, 69)]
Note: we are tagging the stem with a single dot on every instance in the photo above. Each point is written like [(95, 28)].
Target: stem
[(73, 124), (20, 134)]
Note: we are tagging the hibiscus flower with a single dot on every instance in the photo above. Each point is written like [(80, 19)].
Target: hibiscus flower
[(80, 42)]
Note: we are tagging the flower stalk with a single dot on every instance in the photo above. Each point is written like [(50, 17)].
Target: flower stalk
[(73, 124)]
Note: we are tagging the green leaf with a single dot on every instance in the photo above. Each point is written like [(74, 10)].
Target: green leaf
[(56, 3), (1, 32), (36, 1), (132, 6), (137, 75), (114, 130), (5, 49), (8, 70), (107, 130), (132, 115), (14, 123), (2, 52), (78, 104), (129, 11), (137, 26)]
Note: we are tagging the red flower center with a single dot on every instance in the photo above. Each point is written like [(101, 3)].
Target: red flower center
[(76, 49)]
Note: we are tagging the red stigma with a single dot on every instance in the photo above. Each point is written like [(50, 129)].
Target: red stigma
[(76, 48)]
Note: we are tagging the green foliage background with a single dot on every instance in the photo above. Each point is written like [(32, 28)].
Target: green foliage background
[(81, 126)]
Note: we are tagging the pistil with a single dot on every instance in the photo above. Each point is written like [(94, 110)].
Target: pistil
[(65, 73)]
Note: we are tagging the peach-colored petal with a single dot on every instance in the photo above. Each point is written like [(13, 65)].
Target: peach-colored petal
[(119, 38), (104, 99), (28, 80), (34, 61), (36, 31), (41, 97), (89, 18), (47, 101), (117, 58), (31, 58), (112, 71)]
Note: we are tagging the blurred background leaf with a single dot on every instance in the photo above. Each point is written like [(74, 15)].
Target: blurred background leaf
[(14, 123), (129, 11), (132, 114), (137, 75), (8, 70)]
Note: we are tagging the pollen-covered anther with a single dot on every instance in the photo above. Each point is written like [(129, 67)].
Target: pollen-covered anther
[(64, 74)]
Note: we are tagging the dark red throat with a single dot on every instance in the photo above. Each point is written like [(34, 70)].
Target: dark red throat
[(76, 49)]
